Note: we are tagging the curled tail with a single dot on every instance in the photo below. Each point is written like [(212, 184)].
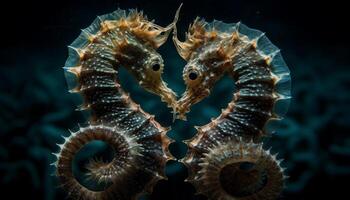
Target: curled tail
[(138, 163), (126, 153), (236, 169)]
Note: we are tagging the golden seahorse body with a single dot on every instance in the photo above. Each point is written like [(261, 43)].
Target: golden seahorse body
[(128, 39), (221, 149)]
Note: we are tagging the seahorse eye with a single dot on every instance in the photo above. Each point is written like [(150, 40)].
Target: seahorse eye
[(156, 67), (193, 75)]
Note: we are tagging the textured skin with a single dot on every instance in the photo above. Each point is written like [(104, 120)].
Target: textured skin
[(235, 169), (117, 39), (261, 78)]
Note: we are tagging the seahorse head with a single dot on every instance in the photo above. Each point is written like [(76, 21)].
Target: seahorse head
[(207, 56), (146, 65), (137, 42)]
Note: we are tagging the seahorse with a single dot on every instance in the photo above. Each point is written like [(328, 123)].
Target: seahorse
[(118, 39), (225, 158)]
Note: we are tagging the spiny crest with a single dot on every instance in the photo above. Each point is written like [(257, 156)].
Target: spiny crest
[(194, 38), (199, 33), (138, 24)]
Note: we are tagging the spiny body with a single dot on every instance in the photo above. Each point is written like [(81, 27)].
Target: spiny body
[(117, 39), (261, 78)]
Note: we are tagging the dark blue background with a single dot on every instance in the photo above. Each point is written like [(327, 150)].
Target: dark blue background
[(36, 109)]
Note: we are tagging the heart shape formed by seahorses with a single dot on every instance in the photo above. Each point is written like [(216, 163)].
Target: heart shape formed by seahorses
[(217, 152)]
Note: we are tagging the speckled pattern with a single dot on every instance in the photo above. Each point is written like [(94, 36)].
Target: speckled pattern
[(140, 143), (212, 50), (37, 110)]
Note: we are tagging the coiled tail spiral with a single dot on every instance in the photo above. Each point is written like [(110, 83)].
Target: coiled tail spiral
[(138, 163), (236, 170)]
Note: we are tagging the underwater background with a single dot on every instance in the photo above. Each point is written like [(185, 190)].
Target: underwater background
[(36, 108)]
